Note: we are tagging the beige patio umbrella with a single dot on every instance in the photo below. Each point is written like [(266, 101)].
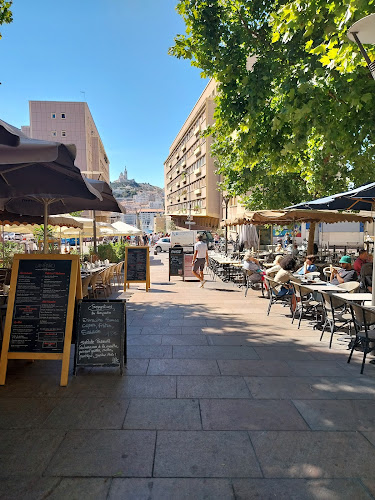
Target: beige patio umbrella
[(277, 217)]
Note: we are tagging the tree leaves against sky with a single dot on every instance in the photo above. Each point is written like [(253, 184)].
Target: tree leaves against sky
[(5, 12), (300, 123)]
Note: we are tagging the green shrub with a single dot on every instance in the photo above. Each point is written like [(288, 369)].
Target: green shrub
[(107, 251), (8, 249)]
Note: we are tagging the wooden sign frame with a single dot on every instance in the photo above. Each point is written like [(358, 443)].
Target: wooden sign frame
[(75, 291), (126, 281)]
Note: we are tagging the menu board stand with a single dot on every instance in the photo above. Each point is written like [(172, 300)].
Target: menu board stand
[(176, 262), (40, 312), (137, 266), (101, 334)]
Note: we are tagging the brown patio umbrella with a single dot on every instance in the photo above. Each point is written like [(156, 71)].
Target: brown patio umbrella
[(38, 177)]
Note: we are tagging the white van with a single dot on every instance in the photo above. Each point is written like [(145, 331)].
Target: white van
[(187, 239)]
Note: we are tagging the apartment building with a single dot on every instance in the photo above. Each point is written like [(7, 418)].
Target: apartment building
[(71, 123), (191, 185)]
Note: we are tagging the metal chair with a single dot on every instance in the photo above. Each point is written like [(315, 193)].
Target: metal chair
[(363, 319), (274, 294), (305, 303), (334, 315)]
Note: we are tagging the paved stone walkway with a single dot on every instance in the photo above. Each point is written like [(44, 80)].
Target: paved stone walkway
[(219, 402)]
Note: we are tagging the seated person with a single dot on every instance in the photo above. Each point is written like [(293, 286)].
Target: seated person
[(279, 248), (308, 266), (295, 250), (346, 273), (363, 258), (288, 265), (252, 267), (365, 277), (271, 271)]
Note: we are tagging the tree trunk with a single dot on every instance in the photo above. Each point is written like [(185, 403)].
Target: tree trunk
[(310, 243)]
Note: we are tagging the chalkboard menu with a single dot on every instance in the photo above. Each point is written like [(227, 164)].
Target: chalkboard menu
[(40, 306), (101, 334), (176, 262), (40, 311), (137, 266)]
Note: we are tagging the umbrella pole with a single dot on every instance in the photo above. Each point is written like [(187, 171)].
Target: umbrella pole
[(272, 238), (260, 230), (3, 247), (45, 203), (94, 232)]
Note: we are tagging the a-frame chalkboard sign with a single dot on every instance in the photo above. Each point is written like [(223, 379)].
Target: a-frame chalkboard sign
[(176, 262), (100, 334), (137, 266), (40, 312)]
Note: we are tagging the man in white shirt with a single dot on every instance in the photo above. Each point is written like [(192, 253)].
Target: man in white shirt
[(199, 259)]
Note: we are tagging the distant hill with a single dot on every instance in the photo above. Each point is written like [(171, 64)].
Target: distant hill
[(123, 189)]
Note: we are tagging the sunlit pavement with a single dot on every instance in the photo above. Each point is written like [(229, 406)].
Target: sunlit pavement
[(219, 401)]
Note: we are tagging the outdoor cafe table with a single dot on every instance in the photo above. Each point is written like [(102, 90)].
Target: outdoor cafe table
[(354, 297), (324, 287)]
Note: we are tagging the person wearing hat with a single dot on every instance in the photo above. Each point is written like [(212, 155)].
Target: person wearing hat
[(346, 273)]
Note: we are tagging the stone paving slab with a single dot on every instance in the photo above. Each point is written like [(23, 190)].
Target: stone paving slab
[(310, 388), (317, 368), (29, 487), (77, 488), (27, 452), (306, 454), (184, 340), (163, 414), (171, 489), (214, 352), (112, 385), (23, 413), (205, 454), (280, 352), (183, 367), (89, 413), (254, 367), (125, 453), (231, 414), (299, 489), (147, 351), (144, 340), (204, 386), (338, 415)]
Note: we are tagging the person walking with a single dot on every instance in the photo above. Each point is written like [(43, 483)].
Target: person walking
[(200, 258)]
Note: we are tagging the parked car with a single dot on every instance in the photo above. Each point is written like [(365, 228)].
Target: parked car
[(163, 244)]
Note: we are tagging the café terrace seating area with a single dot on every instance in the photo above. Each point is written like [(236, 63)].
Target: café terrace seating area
[(339, 313)]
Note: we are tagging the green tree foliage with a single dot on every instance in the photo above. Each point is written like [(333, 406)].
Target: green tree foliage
[(5, 12), (298, 122)]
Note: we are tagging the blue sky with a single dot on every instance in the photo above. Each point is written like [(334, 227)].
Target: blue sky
[(115, 51)]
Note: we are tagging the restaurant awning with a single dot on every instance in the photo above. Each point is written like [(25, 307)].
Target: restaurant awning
[(281, 217)]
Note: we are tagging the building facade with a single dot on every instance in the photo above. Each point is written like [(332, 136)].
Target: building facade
[(71, 123), (191, 185)]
